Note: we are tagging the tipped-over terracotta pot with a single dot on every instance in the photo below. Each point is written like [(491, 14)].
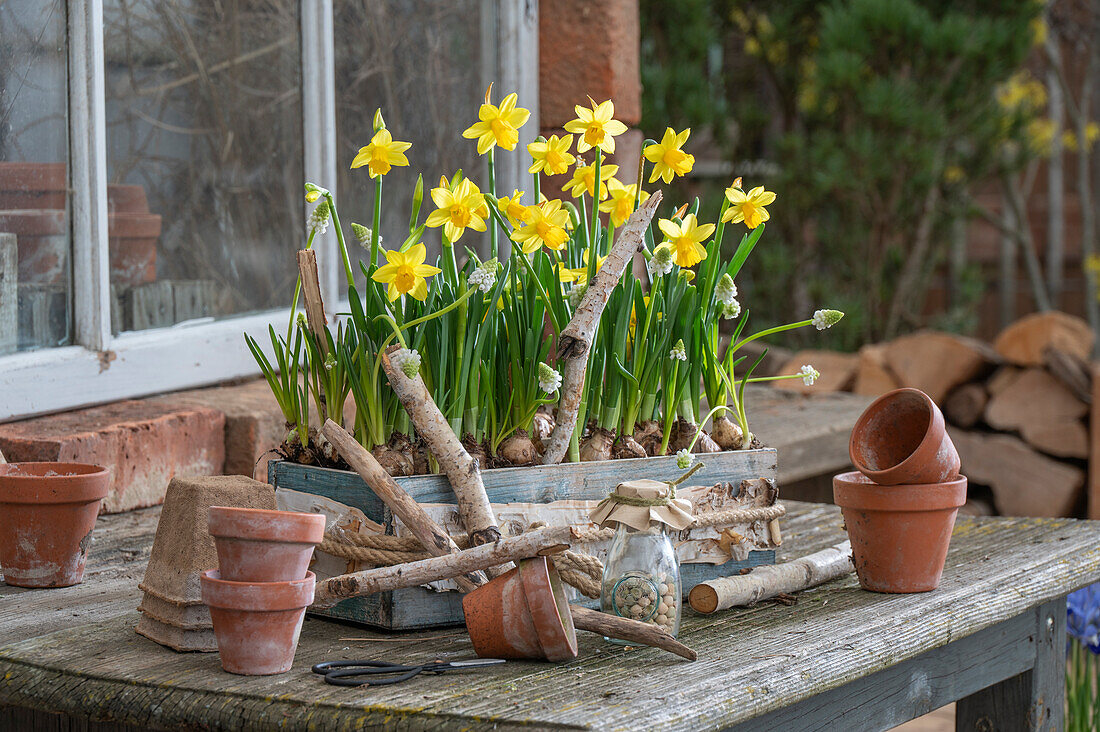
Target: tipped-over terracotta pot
[(257, 623), (901, 439), (899, 533), (259, 545), (522, 613), (47, 512)]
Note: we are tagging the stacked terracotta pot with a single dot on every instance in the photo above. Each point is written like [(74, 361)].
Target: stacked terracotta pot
[(900, 507), (259, 594)]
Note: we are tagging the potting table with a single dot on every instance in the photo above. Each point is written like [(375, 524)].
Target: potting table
[(992, 636)]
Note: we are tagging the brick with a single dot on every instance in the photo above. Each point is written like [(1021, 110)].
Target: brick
[(254, 424), (144, 443), (588, 49)]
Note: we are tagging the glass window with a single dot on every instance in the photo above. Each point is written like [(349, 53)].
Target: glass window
[(204, 157), (35, 249), (420, 61)]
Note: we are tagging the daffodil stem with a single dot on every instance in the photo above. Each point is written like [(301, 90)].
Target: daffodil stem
[(491, 159), (376, 223), (348, 272), (594, 237)]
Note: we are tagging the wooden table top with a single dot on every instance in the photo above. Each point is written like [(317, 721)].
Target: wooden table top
[(74, 650)]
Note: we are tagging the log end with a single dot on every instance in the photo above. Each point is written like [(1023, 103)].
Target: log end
[(703, 599)]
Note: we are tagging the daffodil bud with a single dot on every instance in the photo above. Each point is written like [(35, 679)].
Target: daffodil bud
[(726, 291), (678, 352), (549, 379), (408, 361), (809, 375), (313, 192), (379, 123), (418, 198), (826, 318)]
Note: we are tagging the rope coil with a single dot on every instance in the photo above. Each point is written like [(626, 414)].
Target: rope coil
[(582, 571)]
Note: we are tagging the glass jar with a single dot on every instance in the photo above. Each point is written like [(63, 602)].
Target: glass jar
[(641, 578)]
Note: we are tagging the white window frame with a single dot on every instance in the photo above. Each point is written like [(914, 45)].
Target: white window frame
[(102, 367)]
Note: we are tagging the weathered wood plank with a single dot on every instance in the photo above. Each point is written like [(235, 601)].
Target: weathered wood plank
[(887, 698), (752, 661)]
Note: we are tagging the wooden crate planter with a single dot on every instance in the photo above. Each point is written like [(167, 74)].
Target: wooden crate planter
[(417, 608)]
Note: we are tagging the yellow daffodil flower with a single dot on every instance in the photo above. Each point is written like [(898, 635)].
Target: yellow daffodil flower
[(458, 210), (545, 225), (596, 126), (497, 125), (584, 179), (620, 201), (512, 209), (748, 207), (406, 273), (580, 274), (551, 157), (667, 157), (382, 153), (685, 239)]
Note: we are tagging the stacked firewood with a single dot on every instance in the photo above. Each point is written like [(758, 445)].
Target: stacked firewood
[(1017, 409)]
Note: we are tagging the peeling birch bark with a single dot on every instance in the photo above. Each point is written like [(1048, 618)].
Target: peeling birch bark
[(434, 539), (461, 469), (311, 294), (576, 337), (543, 541), (769, 581)]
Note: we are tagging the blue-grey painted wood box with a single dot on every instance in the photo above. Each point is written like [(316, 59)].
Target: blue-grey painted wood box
[(416, 608)]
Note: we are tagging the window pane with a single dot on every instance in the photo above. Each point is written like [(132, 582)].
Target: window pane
[(420, 61), (35, 277), (204, 151)]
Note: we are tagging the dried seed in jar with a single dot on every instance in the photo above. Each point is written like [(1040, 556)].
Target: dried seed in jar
[(662, 608)]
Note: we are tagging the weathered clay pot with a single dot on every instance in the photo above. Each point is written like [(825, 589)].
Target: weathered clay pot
[(902, 439), (522, 614), (899, 533), (47, 512), (126, 199), (33, 185), (257, 623), (42, 239), (132, 242), (257, 545)]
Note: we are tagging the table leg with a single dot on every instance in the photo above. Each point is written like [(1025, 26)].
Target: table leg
[(1032, 701)]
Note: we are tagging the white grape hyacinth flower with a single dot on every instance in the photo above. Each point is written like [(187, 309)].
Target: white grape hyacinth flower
[(726, 290), (318, 219), (408, 360), (549, 379), (678, 352), (484, 276), (684, 458), (826, 318), (661, 261), (809, 374), (731, 310)]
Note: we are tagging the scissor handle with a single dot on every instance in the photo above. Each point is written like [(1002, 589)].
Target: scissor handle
[(344, 673)]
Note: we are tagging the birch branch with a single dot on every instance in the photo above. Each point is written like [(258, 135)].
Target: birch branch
[(311, 293), (576, 337), (771, 580), (413, 574), (434, 539), (612, 626), (461, 469)]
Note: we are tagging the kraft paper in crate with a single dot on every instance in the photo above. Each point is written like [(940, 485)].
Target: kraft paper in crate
[(699, 546)]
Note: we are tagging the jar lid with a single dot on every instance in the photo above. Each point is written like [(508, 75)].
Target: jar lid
[(639, 503)]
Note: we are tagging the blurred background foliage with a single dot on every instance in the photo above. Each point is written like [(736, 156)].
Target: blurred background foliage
[(873, 121)]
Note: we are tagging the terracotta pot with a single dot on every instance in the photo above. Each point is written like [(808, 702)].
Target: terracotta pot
[(257, 623), (899, 534), (902, 439), (258, 545), (132, 243), (522, 614), (126, 199), (42, 243), (33, 185), (47, 512)]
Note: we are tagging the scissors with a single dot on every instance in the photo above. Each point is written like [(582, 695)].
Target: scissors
[(380, 673)]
